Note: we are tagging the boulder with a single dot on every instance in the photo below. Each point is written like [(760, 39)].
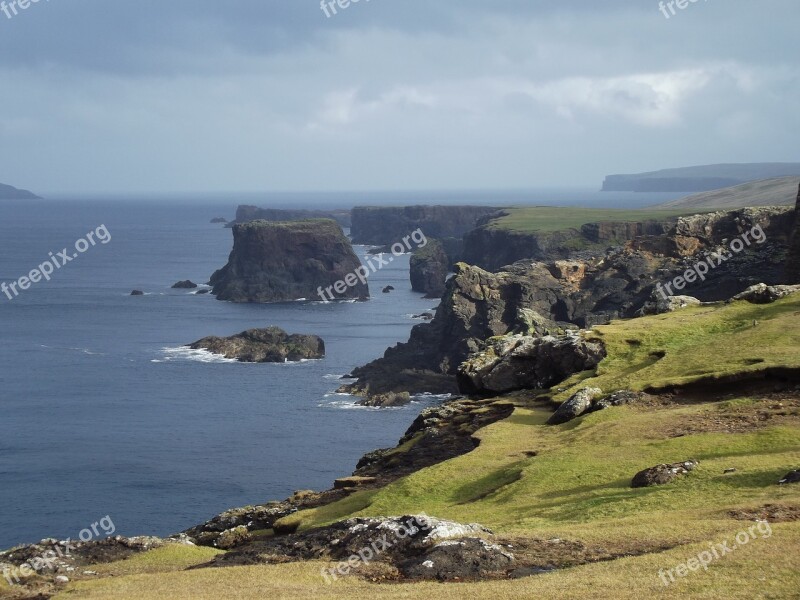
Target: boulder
[(264, 345), (791, 477), (185, 285), (662, 474), (518, 362), (137, 293), (579, 404), (458, 560), (766, 294), (659, 305)]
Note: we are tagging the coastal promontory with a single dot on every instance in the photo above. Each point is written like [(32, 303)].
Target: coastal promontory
[(284, 261)]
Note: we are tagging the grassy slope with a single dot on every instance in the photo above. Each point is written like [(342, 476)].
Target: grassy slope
[(577, 487), (547, 219), (767, 192)]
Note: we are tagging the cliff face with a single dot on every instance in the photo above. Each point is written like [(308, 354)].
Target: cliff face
[(281, 261), (793, 263), (379, 226), (540, 298), (429, 268), (492, 248), (247, 214)]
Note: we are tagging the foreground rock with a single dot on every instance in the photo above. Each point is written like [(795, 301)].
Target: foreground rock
[(662, 474), (660, 305), (416, 546), (281, 261), (524, 362), (271, 345)]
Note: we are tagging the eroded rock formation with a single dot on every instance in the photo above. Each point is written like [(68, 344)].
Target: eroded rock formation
[(264, 345), (281, 261)]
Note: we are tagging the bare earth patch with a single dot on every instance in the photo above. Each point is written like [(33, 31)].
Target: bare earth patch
[(772, 513)]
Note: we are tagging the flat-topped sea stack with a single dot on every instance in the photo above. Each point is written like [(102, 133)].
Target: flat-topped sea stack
[(247, 214), (285, 261)]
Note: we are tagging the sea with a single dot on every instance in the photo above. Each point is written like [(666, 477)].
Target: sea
[(104, 411)]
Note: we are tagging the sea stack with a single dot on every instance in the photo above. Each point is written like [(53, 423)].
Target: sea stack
[(284, 261)]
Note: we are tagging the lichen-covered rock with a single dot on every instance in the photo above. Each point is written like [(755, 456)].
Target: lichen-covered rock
[(461, 559), (662, 474), (387, 400), (264, 345), (282, 261), (579, 404), (525, 362), (766, 294), (659, 305)]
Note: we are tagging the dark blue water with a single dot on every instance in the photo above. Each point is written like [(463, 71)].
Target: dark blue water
[(101, 415)]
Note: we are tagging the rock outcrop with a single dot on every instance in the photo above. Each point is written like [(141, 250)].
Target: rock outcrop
[(662, 474), (185, 285), (248, 214), (520, 362), (282, 261), (264, 345), (766, 294), (377, 226), (793, 262), (542, 298), (429, 268)]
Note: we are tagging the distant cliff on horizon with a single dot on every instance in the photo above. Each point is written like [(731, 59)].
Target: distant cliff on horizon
[(9, 192), (703, 178)]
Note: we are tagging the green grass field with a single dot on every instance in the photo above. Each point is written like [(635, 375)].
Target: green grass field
[(547, 219)]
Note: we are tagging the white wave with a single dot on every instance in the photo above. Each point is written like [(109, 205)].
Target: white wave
[(184, 353), (336, 376)]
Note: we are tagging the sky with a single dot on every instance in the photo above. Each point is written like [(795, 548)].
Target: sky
[(134, 96)]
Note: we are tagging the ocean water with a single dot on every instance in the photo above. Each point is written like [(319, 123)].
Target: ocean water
[(104, 412)]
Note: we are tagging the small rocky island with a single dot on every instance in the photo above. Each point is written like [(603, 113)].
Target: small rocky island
[(283, 261), (270, 345)]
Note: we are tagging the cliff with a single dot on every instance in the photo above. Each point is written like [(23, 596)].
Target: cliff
[(541, 298), (698, 178), (429, 268), (281, 261), (378, 226), (8, 192), (248, 214), (492, 247), (793, 262)]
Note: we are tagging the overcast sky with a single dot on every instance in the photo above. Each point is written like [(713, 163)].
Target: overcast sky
[(257, 95)]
